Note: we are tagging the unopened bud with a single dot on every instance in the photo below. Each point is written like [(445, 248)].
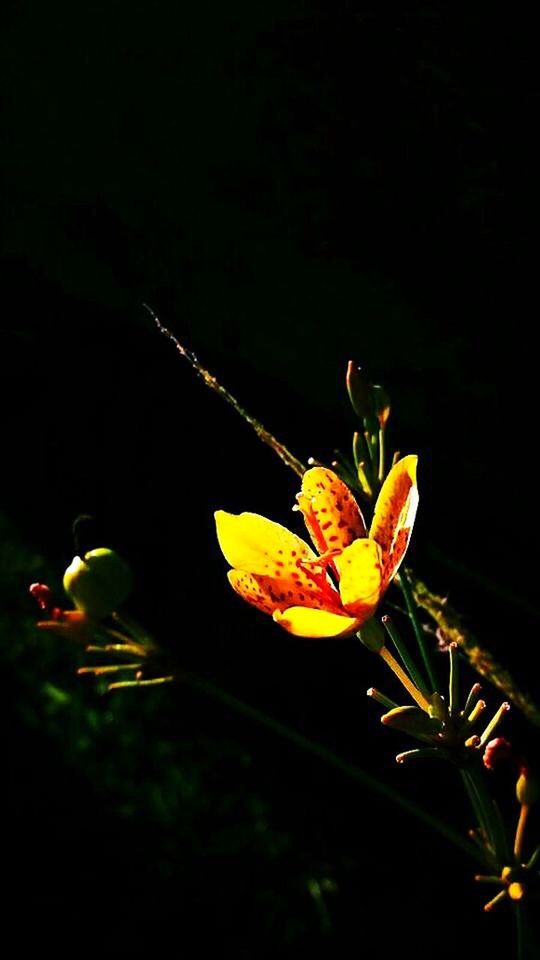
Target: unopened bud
[(497, 751), (413, 721), (359, 391), (98, 583), (381, 404), (437, 707), (42, 595), (527, 791)]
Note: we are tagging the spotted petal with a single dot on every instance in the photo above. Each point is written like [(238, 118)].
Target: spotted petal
[(331, 513), (394, 515), (361, 578), (254, 544), (273, 593), (316, 624)]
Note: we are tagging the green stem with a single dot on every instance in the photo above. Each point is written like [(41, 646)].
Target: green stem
[(519, 931), (487, 812), (405, 656), (527, 939), (453, 692), (404, 584), (338, 763), (475, 803), (381, 456)]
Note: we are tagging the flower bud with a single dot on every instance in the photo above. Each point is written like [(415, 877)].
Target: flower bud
[(413, 721), (381, 404), (497, 751), (527, 791), (437, 707), (42, 595), (98, 583), (359, 391)]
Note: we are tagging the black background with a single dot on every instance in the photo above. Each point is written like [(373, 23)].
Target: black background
[(289, 185)]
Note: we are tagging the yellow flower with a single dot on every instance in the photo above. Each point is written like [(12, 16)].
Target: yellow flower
[(330, 593)]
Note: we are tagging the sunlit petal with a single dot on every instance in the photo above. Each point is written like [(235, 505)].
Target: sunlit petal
[(302, 622), (332, 515), (278, 593), (361, 578), (252, 543), (394, 515)]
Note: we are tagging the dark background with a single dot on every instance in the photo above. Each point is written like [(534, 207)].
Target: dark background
[(289, 185)]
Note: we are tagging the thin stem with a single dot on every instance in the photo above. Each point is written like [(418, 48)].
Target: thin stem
[(382, 454), (534, 859), (475, 713), (153, 682), (360, 451), (268, 438), (368, 437), (433, 753), (453, 692), (98, 671), (405, 656), (391, 661), (364, 481), (520, 831), (527, 938), (519, 932), (475, 803), (487, 812), (494, 722), (488, 907), (381, 698), (471, 699), (403, 583)]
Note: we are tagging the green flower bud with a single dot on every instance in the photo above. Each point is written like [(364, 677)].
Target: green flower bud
[(359, 391), (413, 721), (437, 707), (527, 791), (381, 402), (98, 583)]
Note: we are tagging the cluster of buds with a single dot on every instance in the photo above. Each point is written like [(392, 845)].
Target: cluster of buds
[(371, 405)]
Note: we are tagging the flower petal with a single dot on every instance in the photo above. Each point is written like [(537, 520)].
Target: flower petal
[(302, 622), (273, 593), (331, 513), (253, 543), (360, 578), (72, 624), (394, 515)]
